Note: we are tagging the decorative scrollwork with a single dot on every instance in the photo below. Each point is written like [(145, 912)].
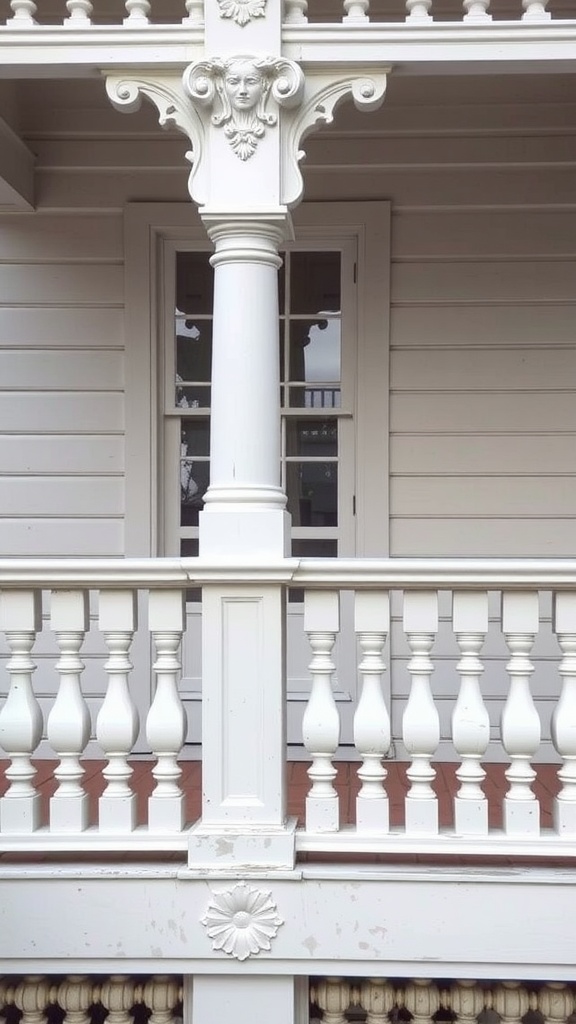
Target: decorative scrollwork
[(242, 87), (242, 11), (242, 921)]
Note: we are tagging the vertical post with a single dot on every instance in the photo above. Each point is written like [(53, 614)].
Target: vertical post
[(421, 722), (321, 723), (245, 1000), (470, 721), (21, 718), (564, 714), (372, 734)]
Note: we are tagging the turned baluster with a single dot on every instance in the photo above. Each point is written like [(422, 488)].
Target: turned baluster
[(68, 726), (79, 13), (418, 10), (371, 721), (511, 1000), (321, 721), (377, 1000), (535, 10), (23, 12), (420, 721), (195, 15), (470, 721), (477, 10), (356, 10), (295, 11), (76, 996), (563, 726), (137, 11), (21, 719), (118, 996), (556, 1002), (161, 995), (333, 998), (422, 999), (166, 722), (31, 997), (466, 1000), (520, 722), (117, 722)]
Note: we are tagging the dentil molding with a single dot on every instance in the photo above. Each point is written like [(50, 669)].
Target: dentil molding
[(242, 11), (242, 921)]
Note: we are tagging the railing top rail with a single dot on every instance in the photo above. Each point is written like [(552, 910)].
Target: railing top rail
[(326, 573)]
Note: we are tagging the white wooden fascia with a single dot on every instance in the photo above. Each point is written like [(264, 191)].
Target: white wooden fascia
[(16, 171)]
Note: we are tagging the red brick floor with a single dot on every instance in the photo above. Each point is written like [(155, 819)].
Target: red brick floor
[(446, 784)]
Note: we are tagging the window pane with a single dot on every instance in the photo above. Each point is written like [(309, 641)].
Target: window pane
[(196, 437), (193, 396), (315, 548), (193, 350), (312, 438), (315, 359), (315, 282), (312, 490), (194, 283), (194, 479)]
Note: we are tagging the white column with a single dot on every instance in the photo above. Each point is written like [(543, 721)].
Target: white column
[(117, 722), (372, 735), (68, 726), (245, 506), (470, 721), (520, 722), (563, 726), (420, 721), (21, 717), (166, 721), (321, 722)]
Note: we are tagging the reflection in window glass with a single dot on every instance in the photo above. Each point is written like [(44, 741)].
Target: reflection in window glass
[(315, 282), (194, 284), (312, 490), (313, 438), (194, 469), (193, 350)]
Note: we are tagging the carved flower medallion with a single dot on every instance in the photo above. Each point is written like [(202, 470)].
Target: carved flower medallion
[(242, 921), (242, 11)]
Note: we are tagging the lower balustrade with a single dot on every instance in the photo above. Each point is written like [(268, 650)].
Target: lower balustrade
[(37, 597), (121, 999)]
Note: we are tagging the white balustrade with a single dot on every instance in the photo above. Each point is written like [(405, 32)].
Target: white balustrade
[(117, 722), (477, 10), (321, 722), (511, 1000), (31, 997), (79, 13), (23, 12), (421, 722), (372, 736), (161, 995), (563, 725), (466, 1000), (535, 10), (418, 10), (556, 1002), (137, 12), (166, 721), (377, 999), (422, 1000), (195, 13), (333, 996), (68, 726), (295, 11), (470, 721), (356, 10), (118, 995), (520, 722), (20, 718), (76, 996)]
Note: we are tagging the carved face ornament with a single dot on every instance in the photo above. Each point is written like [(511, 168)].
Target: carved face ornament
[(242, 11)]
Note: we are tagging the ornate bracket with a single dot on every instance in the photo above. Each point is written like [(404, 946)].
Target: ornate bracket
[(242, 921), (241, 89), (242, 11)]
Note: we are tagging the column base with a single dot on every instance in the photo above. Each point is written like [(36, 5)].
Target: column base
[(238, 531), (217, 848)]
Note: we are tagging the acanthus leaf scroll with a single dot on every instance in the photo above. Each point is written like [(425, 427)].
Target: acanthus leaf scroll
[(242, 11)]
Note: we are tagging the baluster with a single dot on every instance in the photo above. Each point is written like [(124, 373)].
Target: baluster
[(422, 999), (31, 997), (118, 995), (68, 727), (117, 722), (79, 13), (477, 10), (166, 722), (418, 10), (356, 10), (470, 721), (75, 997), (321, 722), (535, 10), (161, 995), (466, 1000), (371, 721), (556, 1002), (21, 718), (3, 1000), (420, 721), (511, 1000), (137, 11), (333, 998), (377, 1000), (295, 11), (23, 13), (195, 16), (563, 726), (520, 723)]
